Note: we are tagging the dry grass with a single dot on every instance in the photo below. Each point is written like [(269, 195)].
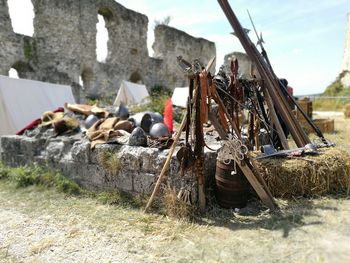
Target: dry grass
[(109, 160), (326, 173), (41, 245), (347, 111), (84, 230), (176, 206)]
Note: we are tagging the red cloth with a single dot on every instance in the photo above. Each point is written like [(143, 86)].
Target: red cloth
[(36, 123), (168, 115)]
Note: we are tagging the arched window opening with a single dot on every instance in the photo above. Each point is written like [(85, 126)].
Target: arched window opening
[(136, 78), (22, 15), (13, 73), (23, 70), (101, 39)]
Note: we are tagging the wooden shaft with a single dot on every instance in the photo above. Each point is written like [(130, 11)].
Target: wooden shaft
[(275, 120), (167, 163), (281, 104)]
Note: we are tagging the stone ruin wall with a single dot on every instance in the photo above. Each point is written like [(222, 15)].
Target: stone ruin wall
[(71, 155), (63, 47), (345, 69)]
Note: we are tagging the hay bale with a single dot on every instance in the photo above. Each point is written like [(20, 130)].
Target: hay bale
[(327, 173), (347, 111)]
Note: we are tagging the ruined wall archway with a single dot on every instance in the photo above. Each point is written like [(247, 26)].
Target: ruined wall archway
[(135, 77), (24, 69)]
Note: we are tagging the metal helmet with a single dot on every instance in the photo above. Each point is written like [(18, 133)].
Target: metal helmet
[(138, 137), (90, 120), (122, 112), (159, 130)]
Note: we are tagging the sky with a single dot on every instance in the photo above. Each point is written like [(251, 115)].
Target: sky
[(303, 38)]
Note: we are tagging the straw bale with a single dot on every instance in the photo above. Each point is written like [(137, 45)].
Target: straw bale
[(326, 173), (347, 111)]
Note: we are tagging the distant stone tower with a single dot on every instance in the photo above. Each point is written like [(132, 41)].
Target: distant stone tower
[(345, 69)]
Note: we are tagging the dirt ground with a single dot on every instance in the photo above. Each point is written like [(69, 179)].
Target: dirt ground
[(40, 225)]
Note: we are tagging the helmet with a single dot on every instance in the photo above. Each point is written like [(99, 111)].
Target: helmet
[(138, 137), (122, 112), (159, 130), (90, 120)]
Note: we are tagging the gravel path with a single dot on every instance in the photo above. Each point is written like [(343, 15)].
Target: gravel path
[(44, 226)]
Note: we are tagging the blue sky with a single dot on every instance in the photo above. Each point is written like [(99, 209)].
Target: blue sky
[(304, 39)]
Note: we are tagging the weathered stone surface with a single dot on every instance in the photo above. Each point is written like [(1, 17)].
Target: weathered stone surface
[(139, 167), (81, 152), (143, 182), (63, 47), (12, 144)]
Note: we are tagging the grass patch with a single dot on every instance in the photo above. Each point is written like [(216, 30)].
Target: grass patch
[(109, 160), (330, 104), (119, 198), (335, 89), (25, 176)]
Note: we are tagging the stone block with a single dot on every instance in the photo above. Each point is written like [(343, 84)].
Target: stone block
[(94, 153), (14, 160), (143, 182), (80, 152), (31, 147), (53, 150), (11, 144)]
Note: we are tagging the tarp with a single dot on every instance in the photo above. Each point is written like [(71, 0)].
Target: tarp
[(131, 93), (180, 96), (23, 100)]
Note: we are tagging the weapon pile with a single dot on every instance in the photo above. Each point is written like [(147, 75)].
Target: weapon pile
[(222, 98)]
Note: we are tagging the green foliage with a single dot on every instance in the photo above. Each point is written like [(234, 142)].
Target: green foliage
[(25, 176), (4, 171), (29, 48), (329, 104), (106, 100), (120, 198), (158, 97), (335, 89), (109, 160)]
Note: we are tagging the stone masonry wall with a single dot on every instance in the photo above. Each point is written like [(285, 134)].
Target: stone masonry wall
[(139, 166), (63, 47), (170, 43)]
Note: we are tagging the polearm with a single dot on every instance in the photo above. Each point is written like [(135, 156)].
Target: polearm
[(284, 88), (260, 42), (272, 85)]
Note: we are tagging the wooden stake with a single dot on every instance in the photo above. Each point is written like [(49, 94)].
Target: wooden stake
[(167, 163)]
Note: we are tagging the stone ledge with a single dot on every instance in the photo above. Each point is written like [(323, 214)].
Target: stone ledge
[(138, 171)]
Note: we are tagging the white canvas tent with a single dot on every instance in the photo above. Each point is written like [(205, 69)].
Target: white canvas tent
[(180, 96), (131, 93), (23, 100)]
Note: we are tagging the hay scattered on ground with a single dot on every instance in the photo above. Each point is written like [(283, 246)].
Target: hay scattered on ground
[(347, 111), (175, 206), (326, 173)]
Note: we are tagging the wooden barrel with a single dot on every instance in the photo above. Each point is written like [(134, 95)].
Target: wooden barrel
[(231, 188)]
